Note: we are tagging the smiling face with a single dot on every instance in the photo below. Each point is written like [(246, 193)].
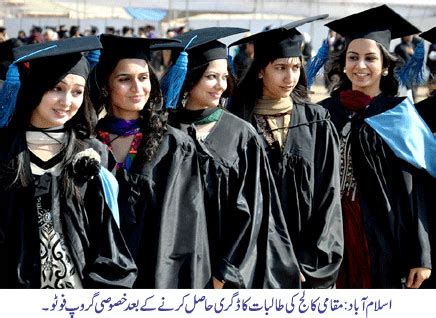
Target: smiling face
[(129, 88), (364, 66), (59, 104), (280, 77), (209, 89)]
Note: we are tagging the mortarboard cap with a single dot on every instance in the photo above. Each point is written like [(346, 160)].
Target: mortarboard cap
[(429, 35), (380, 24), (203, 46), (120, 47), (41, 66), (284, 41)]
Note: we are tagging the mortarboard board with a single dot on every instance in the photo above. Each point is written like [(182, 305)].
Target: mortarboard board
[(429, 35), (284, 41), (119, 47), (203, 46), (380, 24), (41, 66)]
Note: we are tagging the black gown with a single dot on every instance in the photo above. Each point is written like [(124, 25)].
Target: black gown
[(162, 216), (427, 109), (306, 174), (391, 194), (94, 241), (250, 247)]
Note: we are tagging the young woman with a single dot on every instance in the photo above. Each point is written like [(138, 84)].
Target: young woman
[(161, 196), (57, 231), (302, 147), (427, 110), (250, 247), (385, 221)]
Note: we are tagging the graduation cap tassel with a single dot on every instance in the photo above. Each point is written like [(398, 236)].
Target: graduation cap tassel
[(231, 64), (173, 80), (314, 65), (8, 95), (414, 70), (93, 57)]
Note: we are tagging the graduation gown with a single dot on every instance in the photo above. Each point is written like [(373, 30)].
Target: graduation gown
[(306, 173), (427, 110), (391, 199), (94, 241), (250, 247), (163, 218)]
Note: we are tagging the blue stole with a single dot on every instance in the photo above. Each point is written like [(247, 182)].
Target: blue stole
[(408, 136)]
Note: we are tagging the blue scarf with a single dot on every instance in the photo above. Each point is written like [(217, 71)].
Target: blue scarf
[(118, 126)]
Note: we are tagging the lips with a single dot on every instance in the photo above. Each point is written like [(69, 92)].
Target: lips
[(215, 95), (61, 112), (137, 98)]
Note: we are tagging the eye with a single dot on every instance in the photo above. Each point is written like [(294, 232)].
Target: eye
[(371, 58), (57, 89), (353, 57), (296, 67), (123, 79), (77, 92), (211, 76), (144, 77)]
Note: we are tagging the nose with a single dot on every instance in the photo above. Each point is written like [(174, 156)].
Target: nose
[(67, 99), (361, 63), (136, 86), (221, 84)]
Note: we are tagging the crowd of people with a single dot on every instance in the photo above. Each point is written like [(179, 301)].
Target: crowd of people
[(146, 162)]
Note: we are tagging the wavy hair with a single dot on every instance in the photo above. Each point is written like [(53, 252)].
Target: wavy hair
[(250, 89)]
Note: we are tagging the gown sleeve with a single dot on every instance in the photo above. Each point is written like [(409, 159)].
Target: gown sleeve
[(322, 250)]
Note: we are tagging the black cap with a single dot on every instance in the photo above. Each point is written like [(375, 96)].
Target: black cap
[(429, 35), (202, 45), (119, 47), (380, 24), (284, 41), (6, 49), (47, 63)]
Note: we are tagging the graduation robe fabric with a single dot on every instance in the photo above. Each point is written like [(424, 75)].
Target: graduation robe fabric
[(306, 173), (250, 247), (162, 216), (427, 110), (95, 243), (391, 194)]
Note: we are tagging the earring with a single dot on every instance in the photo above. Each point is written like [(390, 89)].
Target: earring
[(385, 72), (260, 75), (184, 99), (345, 71), (104, 92)]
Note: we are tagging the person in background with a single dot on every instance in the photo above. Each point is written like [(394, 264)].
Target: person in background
[(302, 147), (57, 221), (427, 110), (250, 247), (385, 216), (161, 196)]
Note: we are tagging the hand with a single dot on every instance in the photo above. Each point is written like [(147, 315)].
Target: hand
[(417, 276), (217, 284), (302, 278)]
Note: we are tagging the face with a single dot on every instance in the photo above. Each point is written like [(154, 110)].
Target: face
[(129, 88), (59, 104), (280, 77), (208, 91), (364, 66)]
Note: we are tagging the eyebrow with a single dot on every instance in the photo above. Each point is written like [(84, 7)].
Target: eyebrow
[(65, 83), (370, 53)]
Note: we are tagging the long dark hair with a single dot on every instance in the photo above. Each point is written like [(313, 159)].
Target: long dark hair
[(250, 89), (153, 116), (194, 75), (336, 65), (78, 128)]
